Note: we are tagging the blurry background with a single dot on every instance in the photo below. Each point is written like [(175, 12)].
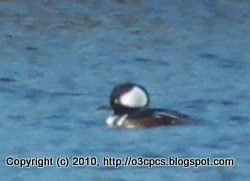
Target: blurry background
[(59, 60)]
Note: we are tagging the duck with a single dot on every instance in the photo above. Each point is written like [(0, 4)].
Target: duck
[(130, 105)]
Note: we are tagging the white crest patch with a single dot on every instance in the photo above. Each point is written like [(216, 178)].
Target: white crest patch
[(135, 98)]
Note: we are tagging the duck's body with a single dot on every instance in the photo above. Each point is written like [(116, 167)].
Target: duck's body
[(146, 118), (130, 101)]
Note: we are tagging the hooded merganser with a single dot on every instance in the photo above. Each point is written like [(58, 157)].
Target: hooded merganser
[(130, 101)]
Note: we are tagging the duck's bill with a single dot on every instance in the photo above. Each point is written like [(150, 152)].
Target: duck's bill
[(104, 107)]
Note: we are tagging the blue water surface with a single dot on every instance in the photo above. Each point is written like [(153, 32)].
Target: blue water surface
[(59, 60)]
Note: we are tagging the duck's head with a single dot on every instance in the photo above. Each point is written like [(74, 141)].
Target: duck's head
[(128, 97)]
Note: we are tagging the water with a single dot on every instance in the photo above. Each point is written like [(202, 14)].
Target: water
[(60, 60)]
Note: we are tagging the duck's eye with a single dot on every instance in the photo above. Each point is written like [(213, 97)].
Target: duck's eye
[(116, 101)]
